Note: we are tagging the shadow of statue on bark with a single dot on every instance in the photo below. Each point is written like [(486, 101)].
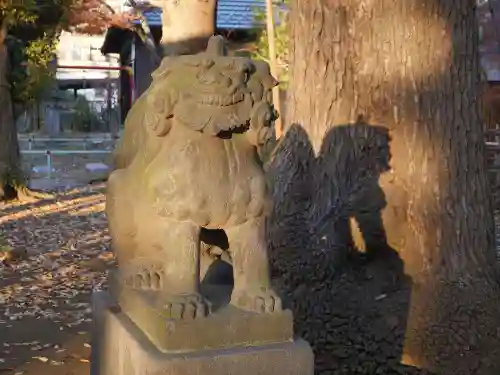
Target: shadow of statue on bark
[(329, 254)]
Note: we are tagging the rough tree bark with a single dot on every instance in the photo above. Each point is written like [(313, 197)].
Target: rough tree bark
[(9, 146), (407, 72), (187, 25), (12, 181)]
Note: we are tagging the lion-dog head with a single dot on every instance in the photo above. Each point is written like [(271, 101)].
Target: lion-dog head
[(212, 93)]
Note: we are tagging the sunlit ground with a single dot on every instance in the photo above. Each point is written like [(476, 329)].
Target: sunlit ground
[(45, 310)]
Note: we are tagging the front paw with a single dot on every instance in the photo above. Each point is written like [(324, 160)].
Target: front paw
[(186, 307), (258, 300)]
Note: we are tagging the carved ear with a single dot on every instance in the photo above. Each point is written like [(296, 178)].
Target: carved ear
[(263, 71), (169, 102), (160, 114)]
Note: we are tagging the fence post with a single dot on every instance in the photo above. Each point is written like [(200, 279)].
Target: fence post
[(49, 164)]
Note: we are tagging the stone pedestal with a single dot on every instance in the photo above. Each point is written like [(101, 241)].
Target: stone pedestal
[(120, 348)]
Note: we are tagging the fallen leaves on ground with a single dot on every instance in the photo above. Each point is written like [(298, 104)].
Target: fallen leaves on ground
[(45, 296)]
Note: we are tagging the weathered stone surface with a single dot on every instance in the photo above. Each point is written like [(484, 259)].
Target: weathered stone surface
[(187, 172), (120, 348), (187, 205), (226, 327)]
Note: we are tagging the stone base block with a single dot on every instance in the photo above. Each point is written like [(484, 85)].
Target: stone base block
[(227, 327), (120, 348)]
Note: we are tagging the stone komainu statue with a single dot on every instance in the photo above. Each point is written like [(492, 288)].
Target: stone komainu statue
[(188, 163)]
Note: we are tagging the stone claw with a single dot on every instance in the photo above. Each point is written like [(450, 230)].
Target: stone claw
[(145, 280), (260, 301), (186, 307)]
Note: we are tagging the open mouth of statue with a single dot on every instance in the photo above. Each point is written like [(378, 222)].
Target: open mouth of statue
[(220, 100), (217, 113)]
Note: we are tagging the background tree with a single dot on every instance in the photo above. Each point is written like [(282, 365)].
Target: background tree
[(30, 36), (186, 25), (93, 17), (11, 177), (384, 133)]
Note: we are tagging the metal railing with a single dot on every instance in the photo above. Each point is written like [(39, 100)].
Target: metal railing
[(49, 154), (85, 140), (490, 146)]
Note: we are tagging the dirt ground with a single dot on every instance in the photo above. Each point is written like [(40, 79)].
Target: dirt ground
[(45, 311)]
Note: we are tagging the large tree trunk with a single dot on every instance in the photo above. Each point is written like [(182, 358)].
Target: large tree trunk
[(386, 134), (12, 179), (10, 176), (187, 25)]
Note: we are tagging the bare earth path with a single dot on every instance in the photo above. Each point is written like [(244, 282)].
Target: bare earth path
[(45, 312)]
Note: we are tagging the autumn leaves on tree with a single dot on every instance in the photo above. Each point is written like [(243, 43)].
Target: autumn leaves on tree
[(26, 22), (95, 16)]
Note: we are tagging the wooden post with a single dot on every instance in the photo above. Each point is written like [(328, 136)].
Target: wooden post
[(273, 64)]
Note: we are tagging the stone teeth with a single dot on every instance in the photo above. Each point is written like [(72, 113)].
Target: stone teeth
[(222, 100)]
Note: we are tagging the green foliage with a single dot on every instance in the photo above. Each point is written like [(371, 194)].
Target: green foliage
[(261, 50), (30, 72), (32, 38), (18, 13), (84, 118)]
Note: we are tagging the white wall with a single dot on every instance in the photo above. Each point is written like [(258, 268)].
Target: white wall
[(83, 50)]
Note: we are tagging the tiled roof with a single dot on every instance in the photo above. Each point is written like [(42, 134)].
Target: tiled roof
[(238, 14), (231, 14)]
